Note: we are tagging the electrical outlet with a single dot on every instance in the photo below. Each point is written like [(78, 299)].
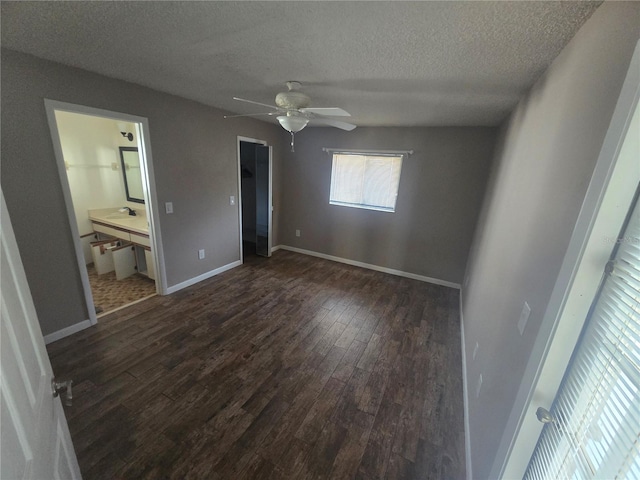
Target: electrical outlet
[(232, 200), (297, 233), (524, 316), (475, 350), (168, 207), (478, 386), (201, 253)]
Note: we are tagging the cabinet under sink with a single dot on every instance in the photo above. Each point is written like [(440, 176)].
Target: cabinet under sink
[(133, 250)]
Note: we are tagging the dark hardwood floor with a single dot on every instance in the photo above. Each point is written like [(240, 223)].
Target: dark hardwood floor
[(285, 368)]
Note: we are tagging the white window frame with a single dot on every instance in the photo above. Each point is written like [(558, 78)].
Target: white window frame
[(402, 155)]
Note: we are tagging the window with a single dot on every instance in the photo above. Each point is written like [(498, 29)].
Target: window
[(597, 411), (365, 180)]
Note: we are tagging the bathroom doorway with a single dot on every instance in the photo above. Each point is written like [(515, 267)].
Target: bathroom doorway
[(105, 172)]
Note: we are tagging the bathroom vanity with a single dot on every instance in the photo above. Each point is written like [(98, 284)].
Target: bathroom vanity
[(134, 254)]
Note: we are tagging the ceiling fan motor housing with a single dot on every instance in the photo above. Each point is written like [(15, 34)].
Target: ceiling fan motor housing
[(292, 100)]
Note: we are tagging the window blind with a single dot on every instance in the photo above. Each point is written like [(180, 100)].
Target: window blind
[(365, 181), (596, 427)]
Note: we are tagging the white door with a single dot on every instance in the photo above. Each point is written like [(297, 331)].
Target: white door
[(124, 261), (34, 435), (264, 210)]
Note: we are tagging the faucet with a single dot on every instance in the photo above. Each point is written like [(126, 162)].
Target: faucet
[(131, 211)]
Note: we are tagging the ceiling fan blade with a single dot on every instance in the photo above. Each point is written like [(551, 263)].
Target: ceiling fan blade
[(256, 103), (334, 123), (251, 114), (331, 111)]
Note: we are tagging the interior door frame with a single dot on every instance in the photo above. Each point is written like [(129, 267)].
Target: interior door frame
[(580, 274), (148, 184), (239, 203)]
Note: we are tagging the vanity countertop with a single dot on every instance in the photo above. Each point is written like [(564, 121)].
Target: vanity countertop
[(111, 216)]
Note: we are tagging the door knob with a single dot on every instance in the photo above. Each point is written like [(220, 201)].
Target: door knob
[(65, 386), (544, 416)]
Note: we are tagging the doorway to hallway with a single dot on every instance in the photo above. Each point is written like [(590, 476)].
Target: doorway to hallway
[(255, 167)]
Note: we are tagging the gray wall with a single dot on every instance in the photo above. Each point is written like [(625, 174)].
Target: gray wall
[(545, 160), (194, 156), (441, 189)]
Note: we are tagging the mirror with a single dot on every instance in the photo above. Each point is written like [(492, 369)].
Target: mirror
[(132, 174)]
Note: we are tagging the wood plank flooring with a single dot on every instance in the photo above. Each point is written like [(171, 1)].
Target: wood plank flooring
[(291, 367)]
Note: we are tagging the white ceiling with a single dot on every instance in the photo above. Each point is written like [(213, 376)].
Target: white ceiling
[(387, 63)]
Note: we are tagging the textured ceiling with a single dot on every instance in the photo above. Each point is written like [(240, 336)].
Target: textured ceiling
[(387, 63)]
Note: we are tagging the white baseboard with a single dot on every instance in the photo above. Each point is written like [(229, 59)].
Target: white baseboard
[(377, 268), (465, 396), (276, 248), (65, 332), (204, 276)]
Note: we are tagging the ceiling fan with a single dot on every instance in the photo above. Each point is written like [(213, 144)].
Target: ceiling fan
[(293, 112)]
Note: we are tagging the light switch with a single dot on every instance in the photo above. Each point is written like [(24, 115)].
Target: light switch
[(168, 206)]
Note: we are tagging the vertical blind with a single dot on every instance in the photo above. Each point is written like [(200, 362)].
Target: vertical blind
[(365, 181), (596, 427)]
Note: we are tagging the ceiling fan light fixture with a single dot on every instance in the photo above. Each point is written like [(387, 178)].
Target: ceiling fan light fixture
[(292, 124)]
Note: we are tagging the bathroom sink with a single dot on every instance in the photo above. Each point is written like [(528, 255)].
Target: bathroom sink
[(113, 216)]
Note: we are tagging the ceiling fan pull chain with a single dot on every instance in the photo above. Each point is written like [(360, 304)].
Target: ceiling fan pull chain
[(292, 142)]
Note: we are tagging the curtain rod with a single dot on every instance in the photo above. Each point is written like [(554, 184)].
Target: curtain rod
[(359, 150)]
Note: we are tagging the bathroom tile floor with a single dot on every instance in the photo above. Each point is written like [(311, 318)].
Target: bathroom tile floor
[(110, 294)]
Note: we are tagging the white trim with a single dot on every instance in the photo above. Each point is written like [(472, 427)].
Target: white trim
[(276, 248), (270, 232), (204, 276), (149, 185), (549, 359), (50, 108), (65, 332), (239, 202), (269, 201), (377, 268), (465, 397), (152, 205), (251, 140)]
